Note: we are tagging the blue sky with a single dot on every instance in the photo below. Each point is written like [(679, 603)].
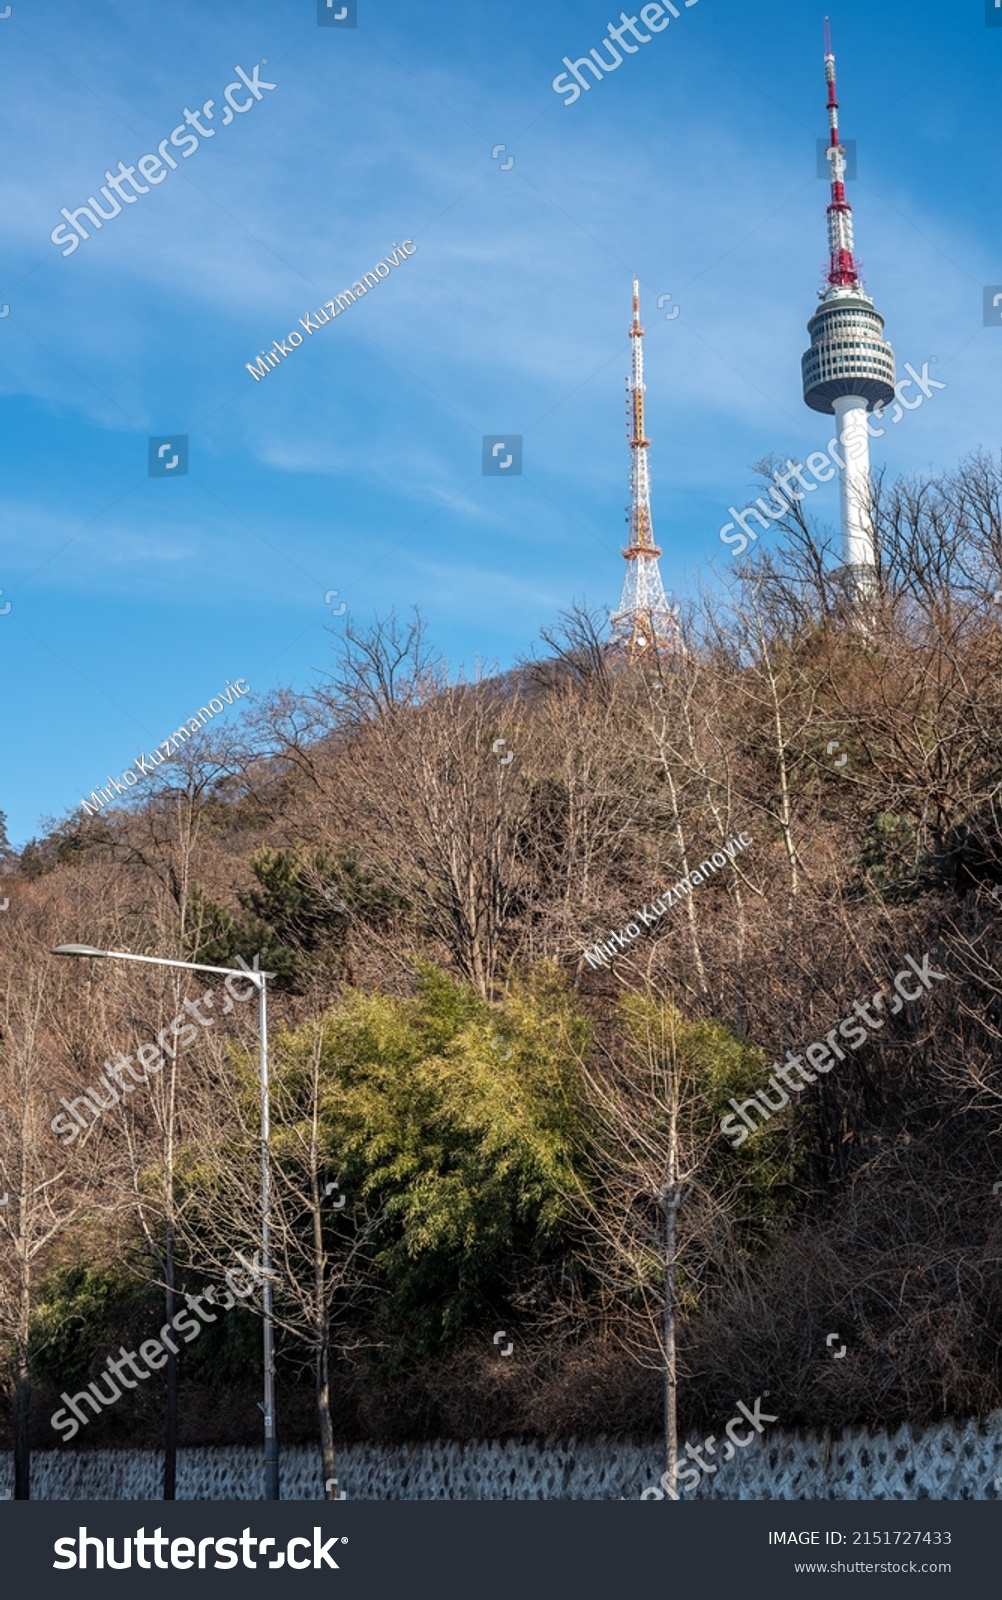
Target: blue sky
[(356, 465)]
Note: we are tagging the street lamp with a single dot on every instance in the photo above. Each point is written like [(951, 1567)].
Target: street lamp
[(260, 981)]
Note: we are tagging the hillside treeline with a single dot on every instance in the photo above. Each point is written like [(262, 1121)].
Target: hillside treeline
[(475, 1130)]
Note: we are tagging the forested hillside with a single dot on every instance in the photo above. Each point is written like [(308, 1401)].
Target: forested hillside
[(475, 1129)]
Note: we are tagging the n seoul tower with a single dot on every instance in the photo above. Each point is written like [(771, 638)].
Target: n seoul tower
[(849, 368), (643, 624)]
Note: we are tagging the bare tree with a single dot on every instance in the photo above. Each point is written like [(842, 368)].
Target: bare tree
[(45, 1186), (321, 1241), (660, 1197)]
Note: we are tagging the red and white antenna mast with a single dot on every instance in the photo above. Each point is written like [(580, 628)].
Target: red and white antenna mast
[(842, 273), (641, 524)]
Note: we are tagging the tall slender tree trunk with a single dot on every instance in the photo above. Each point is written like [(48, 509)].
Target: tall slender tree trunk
[(321, 1325), (785, 813), (669, 1202), (22, 1397), (170, 1377), (323, 1388)]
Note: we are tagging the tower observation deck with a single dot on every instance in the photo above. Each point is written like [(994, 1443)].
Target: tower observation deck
[(849, 369)]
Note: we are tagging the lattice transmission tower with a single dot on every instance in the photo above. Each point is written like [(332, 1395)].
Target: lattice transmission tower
[(645, 624)]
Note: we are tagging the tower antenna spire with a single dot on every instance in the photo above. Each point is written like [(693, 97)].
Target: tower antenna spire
[(842, 273), (644, 622)]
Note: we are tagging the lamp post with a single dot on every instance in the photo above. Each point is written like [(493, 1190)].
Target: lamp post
[(260, 981)]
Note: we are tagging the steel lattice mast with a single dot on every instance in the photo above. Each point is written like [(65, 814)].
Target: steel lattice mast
[(849, 369), (643, 621)]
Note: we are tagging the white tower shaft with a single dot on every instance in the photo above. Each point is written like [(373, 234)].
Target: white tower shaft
[(854, 482)]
